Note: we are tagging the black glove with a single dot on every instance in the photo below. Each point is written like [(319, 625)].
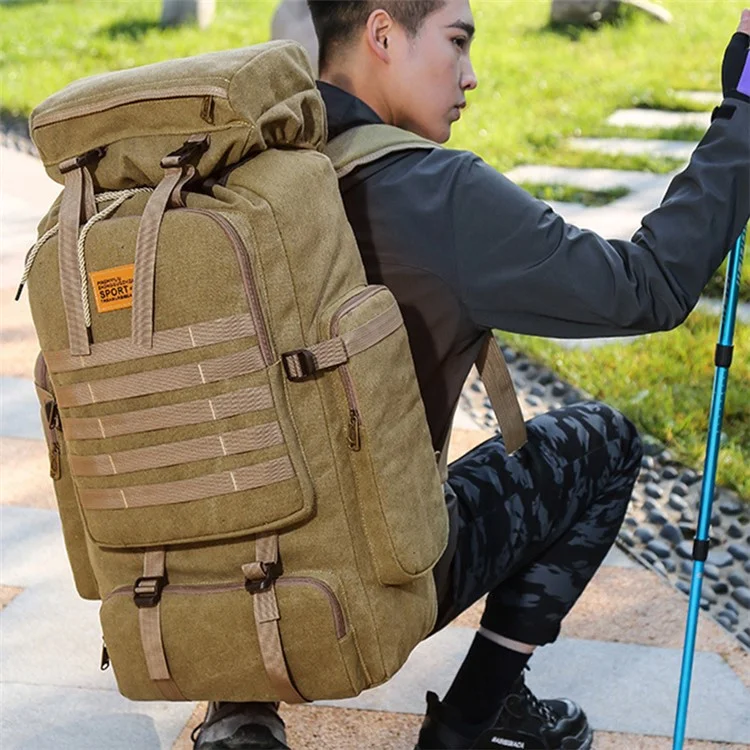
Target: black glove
[(733, 82)]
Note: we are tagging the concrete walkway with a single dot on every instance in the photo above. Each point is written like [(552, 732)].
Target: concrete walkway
[(618, 654)]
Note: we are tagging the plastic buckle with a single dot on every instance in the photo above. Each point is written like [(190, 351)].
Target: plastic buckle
[(271, 572), (147, 590), (196, 144), (305, 365), (83, 160)]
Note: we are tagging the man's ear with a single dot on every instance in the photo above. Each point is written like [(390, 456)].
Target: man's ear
[(379, 27)]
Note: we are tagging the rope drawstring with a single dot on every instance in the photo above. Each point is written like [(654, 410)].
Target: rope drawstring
[(119, 197)]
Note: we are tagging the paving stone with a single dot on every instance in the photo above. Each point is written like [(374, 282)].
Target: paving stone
[(654, 118), (635, 147), (624, 687), (590, 179), (701, 97), (618, 559), (19, 410), (52, 718)]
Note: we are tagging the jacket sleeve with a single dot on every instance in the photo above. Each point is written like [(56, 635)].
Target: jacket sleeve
[(522, 268)]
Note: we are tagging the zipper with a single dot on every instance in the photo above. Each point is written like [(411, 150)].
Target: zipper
[(354, 428), (102, 105), (207, 110), (220, 588), (104, 662), (248, 278), (52, 418)]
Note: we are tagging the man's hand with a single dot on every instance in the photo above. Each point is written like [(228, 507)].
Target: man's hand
[(735, 70)]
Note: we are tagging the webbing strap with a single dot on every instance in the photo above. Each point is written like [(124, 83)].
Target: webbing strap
[(172, 454), (149, 621), (494, 373), (176, 415), (186, 490), (73, 201), (161, 381), (145, 254), (164, 342), (367, 143), (338, 350), (266, 610)]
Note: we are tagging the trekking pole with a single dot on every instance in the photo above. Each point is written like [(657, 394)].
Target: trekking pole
[(723, 360)]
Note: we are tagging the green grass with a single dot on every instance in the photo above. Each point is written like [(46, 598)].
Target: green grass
[(574, 194), (663, 383)]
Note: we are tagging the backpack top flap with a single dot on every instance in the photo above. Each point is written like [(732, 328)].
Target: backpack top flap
[(247, 100)]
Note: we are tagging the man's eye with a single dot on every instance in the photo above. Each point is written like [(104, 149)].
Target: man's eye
[(460, 41)]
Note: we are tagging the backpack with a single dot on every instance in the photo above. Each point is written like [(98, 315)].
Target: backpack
[(239, 448)]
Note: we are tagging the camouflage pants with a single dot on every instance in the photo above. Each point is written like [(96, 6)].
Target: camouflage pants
[(534, 527)]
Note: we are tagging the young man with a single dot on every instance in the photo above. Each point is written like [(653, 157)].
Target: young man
[(464, 251)]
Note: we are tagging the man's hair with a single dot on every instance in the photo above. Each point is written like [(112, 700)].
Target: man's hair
[(337, 21)]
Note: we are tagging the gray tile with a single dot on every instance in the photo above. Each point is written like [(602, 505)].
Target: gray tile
[(48, 718), (19, 409), (654, 118), (635, 147), (591, 179), (616, 558), (622, 687), (701, 97)]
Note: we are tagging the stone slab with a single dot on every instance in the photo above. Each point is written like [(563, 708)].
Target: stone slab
[(590, 179), (19, 409), (701, 97), (18, 341), (26, 193), (24, 474), (623, 687), (635, 147), (654, 118), (37, 717)]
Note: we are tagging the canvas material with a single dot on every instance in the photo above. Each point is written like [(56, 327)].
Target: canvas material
[(359, 529)]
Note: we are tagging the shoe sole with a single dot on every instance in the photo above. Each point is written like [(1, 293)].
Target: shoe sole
[(582, 741)]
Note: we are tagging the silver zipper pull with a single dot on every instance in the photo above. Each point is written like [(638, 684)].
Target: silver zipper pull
[(104, 664)]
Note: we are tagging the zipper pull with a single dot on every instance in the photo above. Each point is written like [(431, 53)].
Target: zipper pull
[(53, 415), (104, 664), (353, 438), (55, 469), (207, 110)]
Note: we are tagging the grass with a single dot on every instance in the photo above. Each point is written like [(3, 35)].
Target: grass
[(571, 194), (538, 88), (670, 402)]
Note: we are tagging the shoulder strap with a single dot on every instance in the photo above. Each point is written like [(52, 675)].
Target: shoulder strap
[(368, 143)]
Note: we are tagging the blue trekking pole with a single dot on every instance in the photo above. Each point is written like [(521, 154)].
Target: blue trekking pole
[(723, 359)]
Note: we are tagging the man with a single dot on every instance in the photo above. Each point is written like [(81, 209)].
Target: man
[(464, 250)]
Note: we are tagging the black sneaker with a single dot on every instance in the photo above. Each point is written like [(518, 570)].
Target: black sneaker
[(241, 726), (524, 722)]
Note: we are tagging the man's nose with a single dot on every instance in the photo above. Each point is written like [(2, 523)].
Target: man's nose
[(468, 77)]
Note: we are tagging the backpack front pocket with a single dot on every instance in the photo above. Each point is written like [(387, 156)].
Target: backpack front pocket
[(314, 630)]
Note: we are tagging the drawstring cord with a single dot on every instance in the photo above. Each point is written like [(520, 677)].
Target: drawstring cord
[(118, 197)]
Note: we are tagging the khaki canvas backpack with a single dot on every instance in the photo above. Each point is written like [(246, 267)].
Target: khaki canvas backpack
[(238, 444)]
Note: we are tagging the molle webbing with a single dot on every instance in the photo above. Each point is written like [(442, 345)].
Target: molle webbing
[(186, 451), (185, 490), (164, 342), (164, 417), (161, 381)]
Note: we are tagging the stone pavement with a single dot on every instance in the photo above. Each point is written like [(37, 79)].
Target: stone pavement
[(618, 654)]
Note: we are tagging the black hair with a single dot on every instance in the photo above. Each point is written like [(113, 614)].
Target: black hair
[(336, 21)]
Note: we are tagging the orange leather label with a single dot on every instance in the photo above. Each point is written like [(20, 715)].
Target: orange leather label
[(113, 288)]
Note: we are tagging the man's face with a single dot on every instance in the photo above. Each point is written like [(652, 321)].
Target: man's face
[(431, 73)]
